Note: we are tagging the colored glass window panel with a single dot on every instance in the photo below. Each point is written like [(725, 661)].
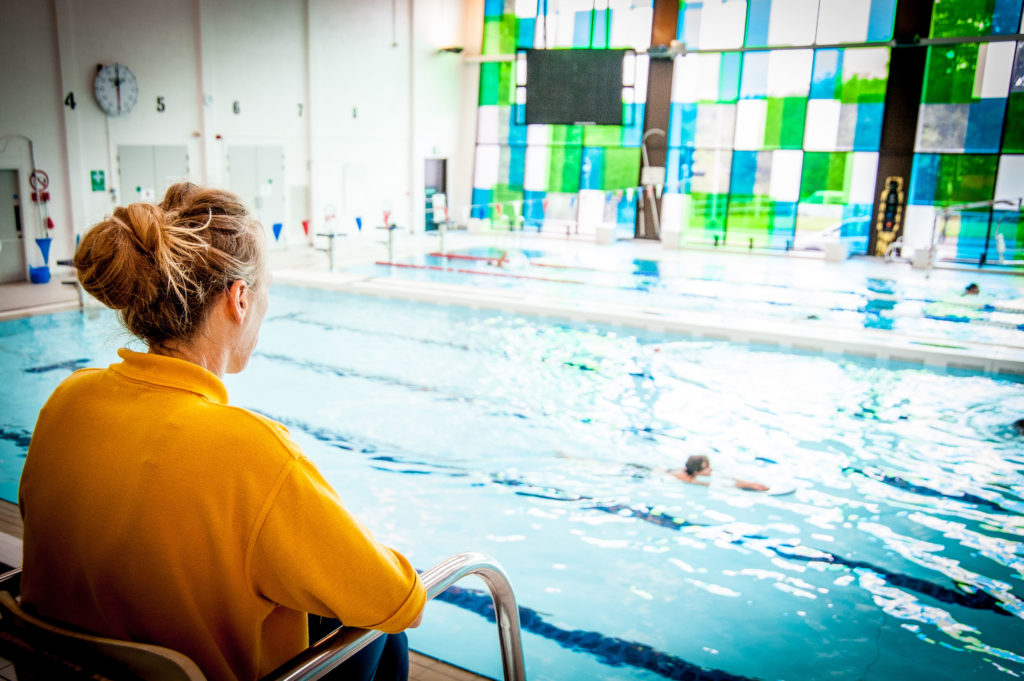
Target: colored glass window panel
[(961, 18), (499, 35), (950, 73), (1013, 135), (948, 179)]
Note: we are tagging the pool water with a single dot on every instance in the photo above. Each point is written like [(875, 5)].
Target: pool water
[(923, 306), (895, 550)]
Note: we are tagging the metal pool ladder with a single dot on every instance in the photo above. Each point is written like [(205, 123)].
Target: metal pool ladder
[(332, 650)]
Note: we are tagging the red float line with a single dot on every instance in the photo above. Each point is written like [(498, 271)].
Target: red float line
[(492, 258), (489, 274)]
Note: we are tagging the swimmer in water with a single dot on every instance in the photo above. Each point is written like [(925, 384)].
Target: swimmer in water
[(698, 466)]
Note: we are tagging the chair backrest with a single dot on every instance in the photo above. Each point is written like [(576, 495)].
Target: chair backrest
[(121, 658)]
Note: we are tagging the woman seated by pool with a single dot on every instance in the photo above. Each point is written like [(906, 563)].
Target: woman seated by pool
[(699, 466), (156, 512)]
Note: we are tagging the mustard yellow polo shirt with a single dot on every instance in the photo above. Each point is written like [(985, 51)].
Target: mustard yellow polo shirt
[(156, 512)]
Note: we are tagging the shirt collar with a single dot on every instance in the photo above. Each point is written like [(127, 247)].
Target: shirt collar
[(170, 372)]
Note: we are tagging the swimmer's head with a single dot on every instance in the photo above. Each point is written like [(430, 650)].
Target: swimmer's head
[(698, 464), (972, 290)]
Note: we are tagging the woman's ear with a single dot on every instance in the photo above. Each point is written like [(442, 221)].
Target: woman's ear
[(238, 300)]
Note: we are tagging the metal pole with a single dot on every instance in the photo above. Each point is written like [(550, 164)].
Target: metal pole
[(323, 656)]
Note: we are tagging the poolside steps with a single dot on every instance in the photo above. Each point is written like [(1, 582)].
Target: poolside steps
[(421, 667)]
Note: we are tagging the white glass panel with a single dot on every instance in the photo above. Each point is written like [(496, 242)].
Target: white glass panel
[(633, 28), (871, 62), (537, 133), (791, 22), (1010, 180), (520, 68), (942, 127), (708, 73), (526, 8), (995, 63), (789, 72), (643, 65), (711, 171), (862, 177), (535, 169), (822, 127), (917, 227), (750, 116), (684, 78), (629, 68), (716, 124), (485, 170), (520, 95), (847, 127), (843, 21), (487, 124), (722, 24), (785, 182)]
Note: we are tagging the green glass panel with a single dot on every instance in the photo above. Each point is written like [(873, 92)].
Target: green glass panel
[(505, 195), (773, 123), (506, 83), (499, 35), (621, 167), (1013, 137), (965, 178), (794, 113), (564, 169), (750, 214), (825, 177), (959, 18), (949, 74), (566, 135), (707, 212), (602, 135), (490, 78), (858, 90)]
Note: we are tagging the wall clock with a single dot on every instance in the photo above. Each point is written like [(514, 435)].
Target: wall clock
[(116, 89)]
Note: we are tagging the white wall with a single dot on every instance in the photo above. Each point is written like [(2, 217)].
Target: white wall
[(377, 98)]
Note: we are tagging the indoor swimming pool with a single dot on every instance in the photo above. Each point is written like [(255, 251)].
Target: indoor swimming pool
[(890, 545)]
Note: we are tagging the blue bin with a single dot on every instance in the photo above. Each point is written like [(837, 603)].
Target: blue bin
[(39, 275)]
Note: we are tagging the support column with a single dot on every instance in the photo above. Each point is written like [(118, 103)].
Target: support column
[(657, 111), (899, 123)]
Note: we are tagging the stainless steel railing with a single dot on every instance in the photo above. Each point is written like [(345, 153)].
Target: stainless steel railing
[(1010, 204), (328, 653)]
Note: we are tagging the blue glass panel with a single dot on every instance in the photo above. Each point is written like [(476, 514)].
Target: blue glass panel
[(923, 177), (856, 226), (494, 8), (984, 125), (758, 13), (1006, 17), (828, 64), (754, 84), (517, 131), (592, 168), (601, 28), (632, 131), (783, 223), (673, 179), (625, 216), (970, 243), (867, 136), (688, 28), (581, 30), (682, 127), (481, 197), (533, 208), (525, 32), (880, 19), (516, 165), (744, 173), (729, 77)]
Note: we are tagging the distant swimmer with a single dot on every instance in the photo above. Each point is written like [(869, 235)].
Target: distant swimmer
[(699, 466), (972, 289)]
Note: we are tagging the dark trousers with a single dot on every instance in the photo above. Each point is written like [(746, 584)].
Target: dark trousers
[(386, 659)]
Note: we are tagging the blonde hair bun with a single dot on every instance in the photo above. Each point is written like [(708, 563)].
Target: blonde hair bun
[(161, 266)]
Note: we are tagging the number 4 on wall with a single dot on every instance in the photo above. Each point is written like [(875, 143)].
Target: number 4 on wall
[(70, 101)]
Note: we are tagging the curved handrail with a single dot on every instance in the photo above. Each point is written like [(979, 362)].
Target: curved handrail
[(328, 653)]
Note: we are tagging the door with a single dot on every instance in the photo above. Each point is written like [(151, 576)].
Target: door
[(256, 174), (12, 247), (435, 172), (147, 171)]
